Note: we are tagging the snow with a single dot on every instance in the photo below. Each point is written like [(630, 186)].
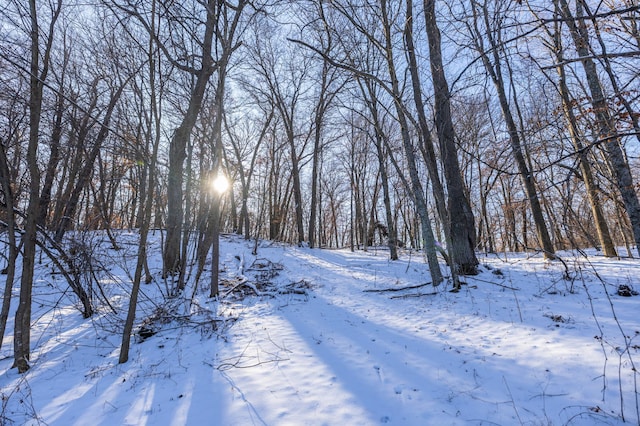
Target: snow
[(320, 337)]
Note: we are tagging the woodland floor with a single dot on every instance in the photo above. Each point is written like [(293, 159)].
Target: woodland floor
[(325, 337)]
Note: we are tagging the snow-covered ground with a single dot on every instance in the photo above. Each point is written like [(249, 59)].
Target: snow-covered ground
[(332, 339)]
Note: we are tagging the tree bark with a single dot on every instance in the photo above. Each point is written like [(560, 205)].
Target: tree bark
[(22, 333), (178, 147), (461, 220), (416, 185)]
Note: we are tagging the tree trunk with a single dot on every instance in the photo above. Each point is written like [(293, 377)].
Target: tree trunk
[(495, 72), (211, 236), (10, 269), (428, 147), (54, 155), (146, 202), (178, 146), (141, 258), (22, 333), (317, 141), (416, 185), (87, 169), (604, 121), (602, 228), (297, 188), (392, 237), (461, 220), (631, 114)]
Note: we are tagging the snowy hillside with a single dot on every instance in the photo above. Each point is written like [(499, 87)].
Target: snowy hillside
[(318, 337)]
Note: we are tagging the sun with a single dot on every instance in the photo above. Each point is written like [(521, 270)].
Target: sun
[(220, 184)]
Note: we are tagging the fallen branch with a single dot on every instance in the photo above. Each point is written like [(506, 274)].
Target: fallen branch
[(491, 282), (382, 290), (406, 296), (243, 281)]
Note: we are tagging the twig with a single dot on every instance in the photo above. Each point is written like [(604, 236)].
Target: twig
[(491, 282), (622, 351), (513, 403), (382, 290), (406, 296)]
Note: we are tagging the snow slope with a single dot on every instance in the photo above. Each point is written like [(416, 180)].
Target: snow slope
[(328, 337)]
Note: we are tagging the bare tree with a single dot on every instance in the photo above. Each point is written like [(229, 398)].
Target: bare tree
[(204, 33), (10, 224), (330, 84), (483, 160), (370, 98), (492, 61), (39, 70), (54, 144), (15, 115), (242, 148), (600, 221), (284, 83), (150, 153), (457, 218), (416, 184), (606, 125), (85, 172)]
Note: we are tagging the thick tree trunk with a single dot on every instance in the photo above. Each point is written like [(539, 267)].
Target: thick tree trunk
[(175, 179), (630, 24), (428, 148), (178, 147), (461, 220)]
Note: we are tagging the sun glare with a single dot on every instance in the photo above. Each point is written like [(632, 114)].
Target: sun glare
[(220, 184)]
